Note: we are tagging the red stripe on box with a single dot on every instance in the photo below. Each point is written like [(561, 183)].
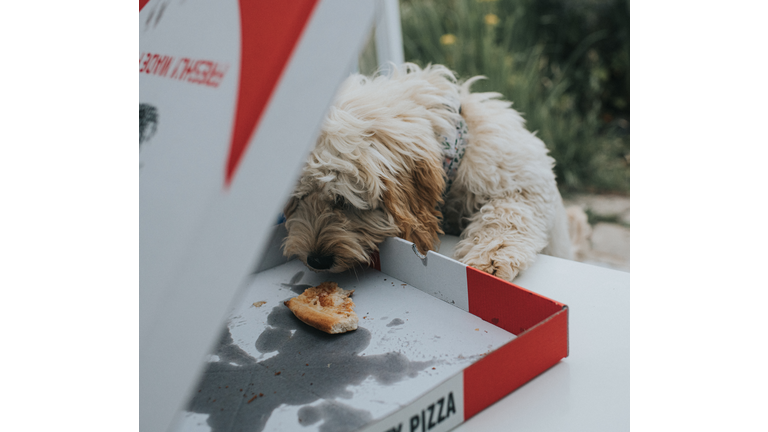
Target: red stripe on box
[(142, 3), (506, 305), (270, 32), (514, 364)]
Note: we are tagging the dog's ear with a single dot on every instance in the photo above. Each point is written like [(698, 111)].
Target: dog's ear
[(290, 207), (413, 201)]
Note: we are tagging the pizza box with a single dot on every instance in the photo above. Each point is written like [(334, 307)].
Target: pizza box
[(437, 342), (232, 94)]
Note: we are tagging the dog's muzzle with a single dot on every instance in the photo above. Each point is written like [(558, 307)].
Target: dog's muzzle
[(320, 262)]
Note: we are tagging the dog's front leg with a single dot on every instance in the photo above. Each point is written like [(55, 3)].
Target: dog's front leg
[(503, 237)]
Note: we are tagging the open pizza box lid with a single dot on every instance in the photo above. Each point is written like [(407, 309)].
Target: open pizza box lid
[(232, 95)]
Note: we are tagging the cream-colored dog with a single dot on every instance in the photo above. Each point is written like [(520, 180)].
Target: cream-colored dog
[(415, 154)]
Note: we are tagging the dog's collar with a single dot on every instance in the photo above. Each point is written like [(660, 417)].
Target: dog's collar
[(454, 148)]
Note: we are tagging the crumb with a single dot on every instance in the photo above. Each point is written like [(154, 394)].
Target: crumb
[(261, 394), (433, 368), (252, 399), (260, 303), (277, 373), (477, 329)]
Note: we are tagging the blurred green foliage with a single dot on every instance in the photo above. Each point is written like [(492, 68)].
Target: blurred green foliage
[(563, 63)]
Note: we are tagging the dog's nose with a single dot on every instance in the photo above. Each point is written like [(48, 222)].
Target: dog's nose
[(320, 262)]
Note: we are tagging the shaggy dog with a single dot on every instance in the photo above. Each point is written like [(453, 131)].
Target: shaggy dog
[(415, 154)]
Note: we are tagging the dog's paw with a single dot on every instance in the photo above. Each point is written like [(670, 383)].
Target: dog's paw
[(495, 262), (498, 269)]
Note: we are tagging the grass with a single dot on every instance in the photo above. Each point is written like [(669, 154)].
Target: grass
[(559, 96)]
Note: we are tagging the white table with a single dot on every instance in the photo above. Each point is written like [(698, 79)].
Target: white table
[(588, 390)]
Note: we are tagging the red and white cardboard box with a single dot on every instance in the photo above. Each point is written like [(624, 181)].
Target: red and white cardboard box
[(233, 94), (437, 343)]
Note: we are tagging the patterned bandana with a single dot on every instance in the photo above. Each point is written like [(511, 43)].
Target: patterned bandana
[(453, 151)]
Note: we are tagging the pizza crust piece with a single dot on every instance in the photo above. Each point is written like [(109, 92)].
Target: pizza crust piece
[(325, 307)]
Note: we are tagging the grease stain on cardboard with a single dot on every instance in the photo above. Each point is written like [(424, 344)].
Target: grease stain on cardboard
[(240, 393)]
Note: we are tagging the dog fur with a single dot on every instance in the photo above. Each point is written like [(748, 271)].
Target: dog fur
[(376, 171)]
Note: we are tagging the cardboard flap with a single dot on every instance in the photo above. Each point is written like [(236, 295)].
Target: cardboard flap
[(437, 275), (233, 95)]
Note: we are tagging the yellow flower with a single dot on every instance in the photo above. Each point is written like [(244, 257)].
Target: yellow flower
[(448, 39), (491, 19)]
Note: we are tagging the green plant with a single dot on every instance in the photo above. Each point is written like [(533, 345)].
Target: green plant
[(560, 91)]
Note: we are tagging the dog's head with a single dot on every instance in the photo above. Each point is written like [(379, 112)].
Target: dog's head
[(375, 172)]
